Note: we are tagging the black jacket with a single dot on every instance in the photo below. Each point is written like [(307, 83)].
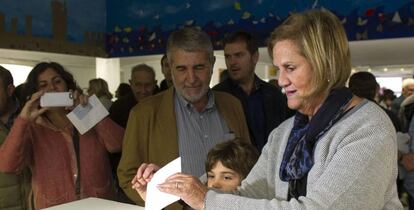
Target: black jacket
[(275, 104), (119, 111)]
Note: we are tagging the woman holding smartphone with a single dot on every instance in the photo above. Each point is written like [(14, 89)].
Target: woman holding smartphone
[(65, 165)]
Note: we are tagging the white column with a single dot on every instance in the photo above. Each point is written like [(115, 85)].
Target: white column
[(109, 69)]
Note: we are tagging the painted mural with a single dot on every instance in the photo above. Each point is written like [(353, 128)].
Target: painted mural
[(142, 27), (71, 26), (114, 28)]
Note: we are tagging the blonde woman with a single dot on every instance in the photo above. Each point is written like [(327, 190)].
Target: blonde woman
[(338, 152), (99, 87)]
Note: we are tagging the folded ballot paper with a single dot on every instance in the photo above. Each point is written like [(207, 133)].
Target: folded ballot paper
[(85, 117), (155, 199)]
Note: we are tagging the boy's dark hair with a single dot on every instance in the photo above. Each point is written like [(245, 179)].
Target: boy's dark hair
[(237, 155), (363, 84), (242, 36)]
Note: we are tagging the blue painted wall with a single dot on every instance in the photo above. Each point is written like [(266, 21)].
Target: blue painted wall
[(140, 27), (82, 16)]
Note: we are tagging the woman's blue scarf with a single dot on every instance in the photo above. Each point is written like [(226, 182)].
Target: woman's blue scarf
[(298, 157)]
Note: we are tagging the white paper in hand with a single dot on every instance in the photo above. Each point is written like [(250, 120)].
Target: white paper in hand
[(155, 199), (85, 117)]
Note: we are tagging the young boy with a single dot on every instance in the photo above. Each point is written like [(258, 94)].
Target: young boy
[(228, 163)]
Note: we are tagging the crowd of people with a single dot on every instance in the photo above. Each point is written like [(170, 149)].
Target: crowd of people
[(244, 144)]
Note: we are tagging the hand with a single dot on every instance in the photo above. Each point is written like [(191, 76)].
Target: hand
[(78, 98), (187, 187), (144, 175), (31, 110), (408, 161)]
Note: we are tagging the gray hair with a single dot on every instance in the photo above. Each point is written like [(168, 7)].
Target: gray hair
[(143, 67), (190, 39)]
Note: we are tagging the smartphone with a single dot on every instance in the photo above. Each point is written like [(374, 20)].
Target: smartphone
[(56, 99)]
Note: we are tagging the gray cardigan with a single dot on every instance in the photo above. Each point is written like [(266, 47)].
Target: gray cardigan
[(355, 168)]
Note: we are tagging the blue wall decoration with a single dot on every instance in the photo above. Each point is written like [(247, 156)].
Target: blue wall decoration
[(61, 26), (142, 27), (113, 28)]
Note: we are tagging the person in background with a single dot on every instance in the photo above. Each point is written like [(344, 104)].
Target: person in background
[(406, 110), (228, 163), (185, 121), (364, 85), (99, 87), (14, 188), (66, 165), (143, 85), (386, 98), (338, 152), (166, 71), (407, 160), (263, 104), (123, 90), (224, 75), (19, 93), (407, 90)]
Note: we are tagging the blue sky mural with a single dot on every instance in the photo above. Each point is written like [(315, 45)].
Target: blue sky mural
[(82, 16), (142, 27), (169, 14)]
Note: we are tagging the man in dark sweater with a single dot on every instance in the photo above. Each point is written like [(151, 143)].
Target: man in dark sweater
[(263, 104)]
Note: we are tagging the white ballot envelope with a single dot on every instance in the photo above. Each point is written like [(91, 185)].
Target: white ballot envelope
[(155, 199), (85, 117)]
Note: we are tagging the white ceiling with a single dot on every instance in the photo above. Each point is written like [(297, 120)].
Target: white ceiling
[(382, 52)]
